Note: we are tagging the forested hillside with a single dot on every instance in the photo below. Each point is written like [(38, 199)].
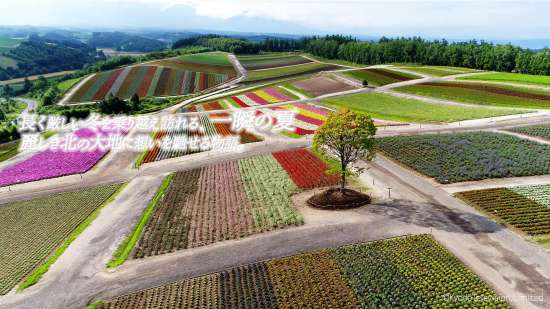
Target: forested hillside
[(39, 56), (125, 42)]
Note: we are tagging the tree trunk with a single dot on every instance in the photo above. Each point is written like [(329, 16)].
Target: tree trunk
[(343, 182)]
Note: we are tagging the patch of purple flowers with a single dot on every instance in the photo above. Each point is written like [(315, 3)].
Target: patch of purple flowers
[(53, 163)]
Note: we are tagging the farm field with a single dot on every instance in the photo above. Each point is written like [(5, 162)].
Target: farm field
[(307, 118), (380, 77), (542, 130), (482, 94), (8, 43), (388, 107), (439, 71), (211, 58), (525, 208), (202, 62), (317, 86), (49, 76), (285, 72), (212, 126), (269, 61), (64, 86), (229, 200), (262, 96), (407, 272), (33, 229), (541, 80), (49, 163), (451, 158), (8, 150), (146, 81)]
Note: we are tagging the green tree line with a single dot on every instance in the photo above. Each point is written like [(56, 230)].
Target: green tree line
[(472, 54)]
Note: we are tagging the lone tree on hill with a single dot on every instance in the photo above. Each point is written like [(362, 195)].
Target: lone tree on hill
[(348, 136)]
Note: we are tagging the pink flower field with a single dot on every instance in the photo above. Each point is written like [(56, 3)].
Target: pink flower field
[(53, 163)]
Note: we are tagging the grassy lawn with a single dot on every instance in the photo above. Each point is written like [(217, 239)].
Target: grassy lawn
[(512, 98), (438, 70), (213, 58), (388, 107), (380, 77), (512, 78), (64, 86), (270, 74)]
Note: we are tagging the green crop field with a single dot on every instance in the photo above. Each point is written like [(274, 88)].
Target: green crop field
[(8, 150), (384, 106), (542, 130), (460, 157), (525, 208), (33, 229), (267, 61), (438, 70), (482, 94), (512, 78), (8, 43), (406, 272), (213, 58), (380, 77), (291, 71), (68, 84)]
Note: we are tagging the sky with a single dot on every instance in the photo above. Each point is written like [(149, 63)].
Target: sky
[(526, 19)]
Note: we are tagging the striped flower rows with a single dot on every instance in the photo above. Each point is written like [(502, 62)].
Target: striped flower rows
[(307, 119), (145, 80), (230, 200), (525, 208), (408, 272), (253, 98), (209, 129)]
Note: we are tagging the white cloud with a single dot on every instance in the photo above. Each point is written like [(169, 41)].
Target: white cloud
[(466, 18)]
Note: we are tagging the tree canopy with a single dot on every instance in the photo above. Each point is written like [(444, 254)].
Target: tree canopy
[(348, 136)]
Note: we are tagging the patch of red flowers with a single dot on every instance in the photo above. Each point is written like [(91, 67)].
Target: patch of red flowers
[(305, 169)]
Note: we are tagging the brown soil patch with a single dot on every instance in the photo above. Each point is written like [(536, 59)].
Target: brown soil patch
[(322, 85), (271, 65), (196, 67), (333, 198), (389, 74), (493, 89), (311, 71)]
